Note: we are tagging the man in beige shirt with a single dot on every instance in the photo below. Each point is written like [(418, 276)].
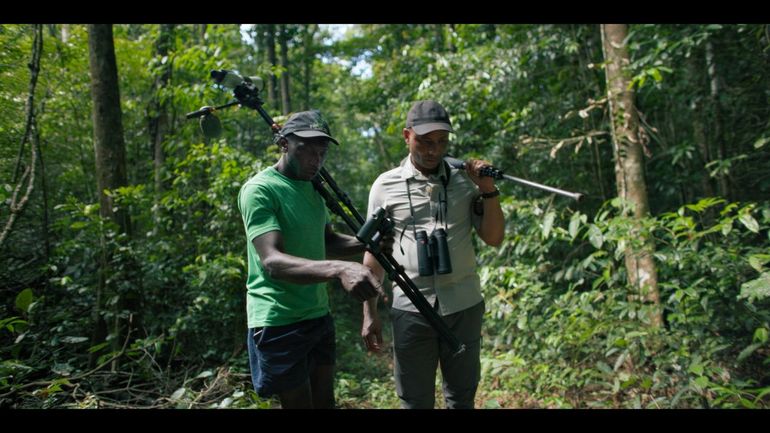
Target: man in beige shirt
[(428, 200)]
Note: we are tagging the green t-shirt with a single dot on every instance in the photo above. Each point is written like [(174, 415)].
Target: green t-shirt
[(271, 201)]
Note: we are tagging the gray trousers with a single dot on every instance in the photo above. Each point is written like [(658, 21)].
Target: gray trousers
[(419, 350)]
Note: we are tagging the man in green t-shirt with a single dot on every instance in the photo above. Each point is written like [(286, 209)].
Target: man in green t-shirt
[(291, 336)]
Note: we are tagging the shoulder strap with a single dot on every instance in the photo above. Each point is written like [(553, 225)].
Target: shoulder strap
[(448, 171)]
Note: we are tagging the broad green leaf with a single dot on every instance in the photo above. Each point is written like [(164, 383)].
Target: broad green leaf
[(634, 334), (619, 361), (756, 289), (727, 227), (656, 75), (696, 369), (97, 347), (178, 393), (595, 236), (750, 222), (78, 225), (757, 261), (24, 300), (54, 387), (702, 381), (646, 383), (548, 223), (760, 335), (522, 322), (745, 353), (574, 225), (601, 365), (9, 322), (204, 374)]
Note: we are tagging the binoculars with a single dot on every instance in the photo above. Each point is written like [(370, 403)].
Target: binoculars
[(433, 253)]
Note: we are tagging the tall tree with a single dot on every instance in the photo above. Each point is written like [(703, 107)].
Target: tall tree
[(629, 163), (307, 59), (718, 135), (272, 82), (109, 148), (699, 131), (65, 33), (159, 118), (200, 32), (283, 36), (17, 202)]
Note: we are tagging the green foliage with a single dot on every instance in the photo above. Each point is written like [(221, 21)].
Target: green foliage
[(756, 289), (561, 323), (562, 330)]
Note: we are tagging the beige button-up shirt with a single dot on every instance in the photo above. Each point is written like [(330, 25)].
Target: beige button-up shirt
[(455, 291)]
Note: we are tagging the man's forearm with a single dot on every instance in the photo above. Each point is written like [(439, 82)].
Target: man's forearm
[(340, 246), (370, 306), (492, 228), (374, 265), (299, 270)]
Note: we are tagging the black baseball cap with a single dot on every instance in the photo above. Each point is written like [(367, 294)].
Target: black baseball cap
[(427, 116), (307, 124)]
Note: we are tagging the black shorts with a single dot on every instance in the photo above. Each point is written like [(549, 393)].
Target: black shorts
[(282, 357)]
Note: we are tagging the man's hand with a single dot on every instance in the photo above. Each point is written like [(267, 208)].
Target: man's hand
[(485, 183), (359, 281), (371, 331)]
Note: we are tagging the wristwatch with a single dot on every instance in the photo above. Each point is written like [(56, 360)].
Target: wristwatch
[(491, 194)]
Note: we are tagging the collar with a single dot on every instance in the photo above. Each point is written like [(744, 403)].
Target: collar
[(408, 170)]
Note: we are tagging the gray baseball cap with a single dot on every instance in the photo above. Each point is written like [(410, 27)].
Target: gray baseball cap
[(307, 124), (427, 116)]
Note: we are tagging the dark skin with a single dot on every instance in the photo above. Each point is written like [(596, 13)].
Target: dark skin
[(302, 158)]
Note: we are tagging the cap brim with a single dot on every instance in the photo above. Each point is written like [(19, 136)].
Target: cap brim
[(310, 134), (430, 127)]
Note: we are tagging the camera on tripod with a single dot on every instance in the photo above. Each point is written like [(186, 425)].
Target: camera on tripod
[(245, 89), (433, 253)]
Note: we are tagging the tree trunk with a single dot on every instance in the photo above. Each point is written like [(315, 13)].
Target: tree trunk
[(284, 59), (629, 165), (44, 185), (159, 119), (200, 30), (308, 57), (718, 138), (109, 148), (450, 40), (438, 37), (17, 203), (107, 117), (701, 142), (272, 82), (699, 128), (65, 33)]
